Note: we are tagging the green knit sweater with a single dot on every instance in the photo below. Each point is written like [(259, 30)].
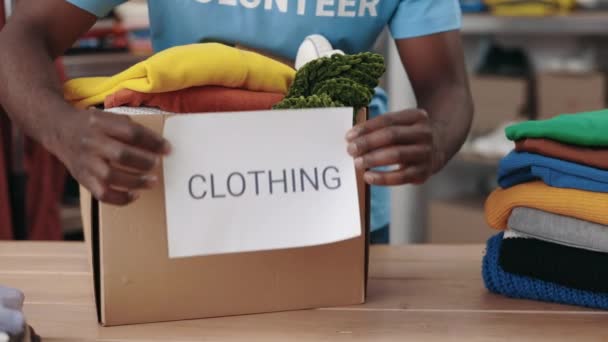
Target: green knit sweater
[(584, 129), (336, 81)]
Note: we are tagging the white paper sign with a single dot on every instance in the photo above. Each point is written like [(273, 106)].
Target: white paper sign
[(239, 182)]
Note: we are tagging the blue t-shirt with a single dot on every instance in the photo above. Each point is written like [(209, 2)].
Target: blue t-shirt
[(279, 26)]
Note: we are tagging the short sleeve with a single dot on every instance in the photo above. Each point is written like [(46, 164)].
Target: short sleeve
[(379, 103), (99, 8), (414, 18)]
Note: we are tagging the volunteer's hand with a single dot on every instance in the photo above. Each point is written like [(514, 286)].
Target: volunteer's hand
[(110, 155), (404, 139)]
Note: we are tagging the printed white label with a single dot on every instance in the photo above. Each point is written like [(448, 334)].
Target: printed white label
[(253, 181)]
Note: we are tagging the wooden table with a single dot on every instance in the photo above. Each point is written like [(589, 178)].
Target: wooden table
[(418, 293)]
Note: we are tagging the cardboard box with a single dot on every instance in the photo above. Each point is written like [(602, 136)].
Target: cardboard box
[(136, 282), (497, 100), (560, 93), (457, 221)]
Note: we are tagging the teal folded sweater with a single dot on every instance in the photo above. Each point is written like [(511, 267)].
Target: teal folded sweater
[(583, 129)]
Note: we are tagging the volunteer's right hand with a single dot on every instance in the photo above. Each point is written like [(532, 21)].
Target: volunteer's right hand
[(110, 155)]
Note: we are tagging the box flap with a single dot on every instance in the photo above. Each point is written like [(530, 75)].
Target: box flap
[(364, 205), (89, 209)]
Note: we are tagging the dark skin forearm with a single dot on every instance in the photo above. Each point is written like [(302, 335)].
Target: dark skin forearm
[(441, 86), (419, 141), (31, 91), (451, 113), (109, 154)]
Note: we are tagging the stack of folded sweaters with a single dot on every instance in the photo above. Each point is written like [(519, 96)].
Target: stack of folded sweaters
[(212, 77), (553, 208), (194, 78)]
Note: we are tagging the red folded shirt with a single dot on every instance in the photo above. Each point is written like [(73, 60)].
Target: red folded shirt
[(582, 155), (196, 100)]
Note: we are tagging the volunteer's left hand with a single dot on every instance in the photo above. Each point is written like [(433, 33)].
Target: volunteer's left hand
[(404, 139)]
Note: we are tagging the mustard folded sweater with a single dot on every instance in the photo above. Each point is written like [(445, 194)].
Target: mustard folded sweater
[(583, 205), (184, 67)]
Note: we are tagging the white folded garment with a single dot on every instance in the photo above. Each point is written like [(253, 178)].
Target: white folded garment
[(136, 111)]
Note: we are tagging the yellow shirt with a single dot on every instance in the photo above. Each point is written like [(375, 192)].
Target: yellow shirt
[(184, 67), (583, 205)]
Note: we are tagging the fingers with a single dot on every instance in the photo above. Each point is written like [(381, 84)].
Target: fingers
[(399, 154), (403, 118), (116, 197), (117, 178), (390, 136), (124, 129), (416, 157), (403, 138), (416, 174), (105, 193), (116, 156), (121, 154)]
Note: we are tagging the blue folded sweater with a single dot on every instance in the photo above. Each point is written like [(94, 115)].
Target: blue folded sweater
[(520, 167), (522, 287)]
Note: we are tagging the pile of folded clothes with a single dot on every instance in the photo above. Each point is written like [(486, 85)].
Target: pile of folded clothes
[(194, 78), (212, 77), (553, 208)]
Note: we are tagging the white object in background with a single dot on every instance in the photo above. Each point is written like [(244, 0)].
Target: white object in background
[(408, 202), (592, 4), (133, 15), (136, 111), (313, 47), (234, 182), (8, 8), (493, 145)]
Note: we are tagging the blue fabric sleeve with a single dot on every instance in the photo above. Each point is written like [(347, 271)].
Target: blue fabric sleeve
[(99, 8), (414, 18), (379, 104), (521, 167), (380, 195)]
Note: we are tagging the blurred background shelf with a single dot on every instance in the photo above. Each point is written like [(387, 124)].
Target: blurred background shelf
[(457, 220), (474, 158), (99, 64), (589, 24), (71, 222), (585, 23)]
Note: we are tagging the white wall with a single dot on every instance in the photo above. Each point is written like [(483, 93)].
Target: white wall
[(408, 208)]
